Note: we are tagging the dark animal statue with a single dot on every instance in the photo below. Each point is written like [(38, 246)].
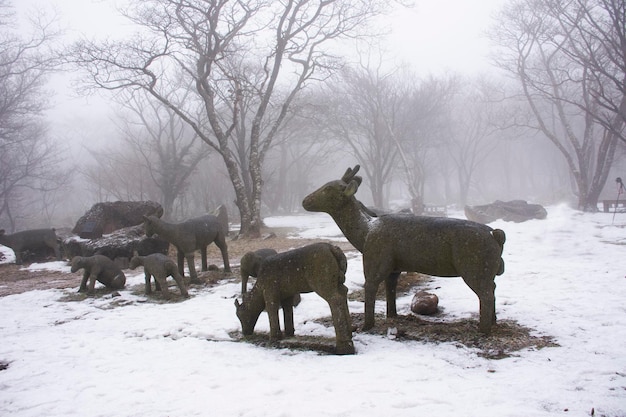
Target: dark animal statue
[(250, 264), (319, 267), (30, 240), (101, 268), (160, 267), (189, 236), (395, 243)]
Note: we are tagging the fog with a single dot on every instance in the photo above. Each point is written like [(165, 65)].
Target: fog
[(433, 40)]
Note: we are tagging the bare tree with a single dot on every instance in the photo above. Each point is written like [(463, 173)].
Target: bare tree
[(423, 133), (595, 31), (114, 173), (246, 60), (556, 50), (473, 128), (304, 148), (29, 160), (365, 101), (167, 148)]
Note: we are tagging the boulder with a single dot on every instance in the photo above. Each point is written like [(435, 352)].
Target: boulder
[(119, 245), (105, 218), (510, 211), (425, 303)]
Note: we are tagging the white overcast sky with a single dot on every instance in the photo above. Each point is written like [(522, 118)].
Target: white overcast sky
[(435, 35)]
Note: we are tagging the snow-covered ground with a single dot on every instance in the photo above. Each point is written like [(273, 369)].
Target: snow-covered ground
[(565, 278)]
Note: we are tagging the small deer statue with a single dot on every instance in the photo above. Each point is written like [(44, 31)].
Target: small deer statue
[(191, 235), (396, 243), (320, 268)]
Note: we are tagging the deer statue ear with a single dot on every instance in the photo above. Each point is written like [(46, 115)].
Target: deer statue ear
[(350, 173), (352, 188)]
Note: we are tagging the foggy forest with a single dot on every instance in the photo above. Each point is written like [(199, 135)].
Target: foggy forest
[(254, 104)]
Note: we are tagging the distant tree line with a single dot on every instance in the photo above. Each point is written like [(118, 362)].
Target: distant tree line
[(251, 105), (30, 177)]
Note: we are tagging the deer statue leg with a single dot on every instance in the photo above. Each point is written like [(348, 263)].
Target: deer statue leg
[(83, 282), (391, 283), (147, 277), (375, 273), (205, 264), (161, 281), (287, 306), (180, 281), (180, 258), (272, 313), (484, 287), (338, 303), (371, 288), (192, 267), (221, 243)]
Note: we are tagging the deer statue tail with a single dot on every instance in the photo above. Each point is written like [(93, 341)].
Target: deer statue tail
[(341, 259), (500, 237)]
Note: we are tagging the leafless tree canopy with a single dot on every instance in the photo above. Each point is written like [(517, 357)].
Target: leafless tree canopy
[(247, 61), (569, 58), (28, 158)]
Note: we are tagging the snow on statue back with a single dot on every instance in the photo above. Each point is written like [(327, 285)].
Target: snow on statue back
[(319, 267), (397, 243), (29, 240), (189, 236)]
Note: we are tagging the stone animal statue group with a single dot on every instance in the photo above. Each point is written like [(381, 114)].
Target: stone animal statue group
[(188, 236), (390, 244)]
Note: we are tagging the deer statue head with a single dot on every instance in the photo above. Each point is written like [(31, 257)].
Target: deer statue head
[(334, 194)]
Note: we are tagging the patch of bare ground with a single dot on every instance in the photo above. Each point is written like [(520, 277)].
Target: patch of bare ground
[(506, 338), (14, 279)]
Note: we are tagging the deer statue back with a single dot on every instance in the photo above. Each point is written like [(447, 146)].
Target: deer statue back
[(396, 243)]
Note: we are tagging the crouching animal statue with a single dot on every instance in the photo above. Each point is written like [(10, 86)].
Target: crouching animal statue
[(397, 243), (100, 268), (189, 236), (319, 267), (30, 240), (160, 267)]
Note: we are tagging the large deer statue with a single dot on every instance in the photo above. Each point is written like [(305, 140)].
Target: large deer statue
[(396, 243)]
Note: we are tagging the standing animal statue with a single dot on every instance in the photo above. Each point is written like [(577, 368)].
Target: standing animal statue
[(100, 268), (30, 240), (250, 264), (397, 243), (319, 267), (189, 236), (160, 267)]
